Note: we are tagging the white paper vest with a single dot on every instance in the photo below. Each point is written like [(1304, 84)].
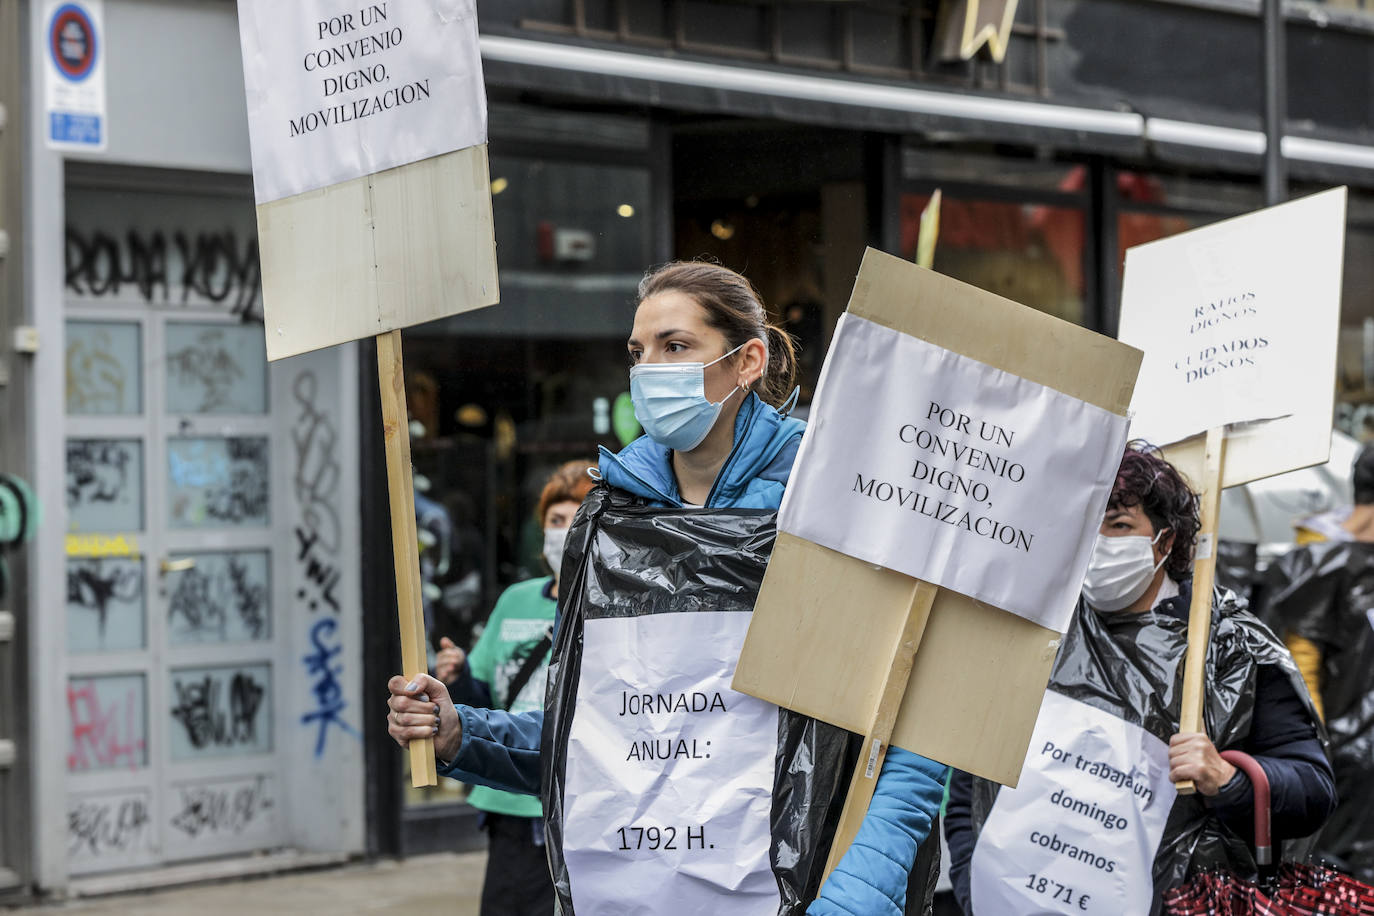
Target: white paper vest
[(1080, 832), (669, 773)]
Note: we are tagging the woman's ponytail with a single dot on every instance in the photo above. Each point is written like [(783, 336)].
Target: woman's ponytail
[(781, 375)]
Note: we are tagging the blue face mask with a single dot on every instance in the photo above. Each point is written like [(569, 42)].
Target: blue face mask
[(670, 402)]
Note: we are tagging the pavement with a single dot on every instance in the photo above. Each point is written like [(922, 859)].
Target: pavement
[(449, 884)]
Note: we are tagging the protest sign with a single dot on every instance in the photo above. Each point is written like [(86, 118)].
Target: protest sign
[(1080, 831), (834, 631), (953, 471), (340, 90), (368, 131), (717, 745), (1238, 321), (663, 789)]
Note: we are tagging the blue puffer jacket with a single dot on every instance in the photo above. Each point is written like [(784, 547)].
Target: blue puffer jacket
[(502, 750)]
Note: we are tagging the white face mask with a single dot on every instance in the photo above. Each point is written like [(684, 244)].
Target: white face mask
[(554, 539), (670, 402), (1120, 570)]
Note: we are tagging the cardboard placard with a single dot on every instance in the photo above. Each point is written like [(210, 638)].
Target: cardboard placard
[(368, 129), (367, 123), (378, 253), (1238, 321), (827, 625)]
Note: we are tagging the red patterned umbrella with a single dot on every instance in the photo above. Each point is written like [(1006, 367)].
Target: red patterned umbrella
[(1290, 890)]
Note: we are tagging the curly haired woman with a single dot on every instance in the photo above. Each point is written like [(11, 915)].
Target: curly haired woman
[(1095, 825)]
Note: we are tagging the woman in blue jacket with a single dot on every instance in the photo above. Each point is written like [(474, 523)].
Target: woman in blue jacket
[(706, 368)]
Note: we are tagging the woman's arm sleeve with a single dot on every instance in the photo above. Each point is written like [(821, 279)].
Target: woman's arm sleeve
[(499, 750), (871, 879), (1283, 739)]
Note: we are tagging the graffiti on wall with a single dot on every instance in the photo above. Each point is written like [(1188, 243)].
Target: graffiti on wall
[(220, 709), (106, 717), (108, 825), (318, 540), (161, 268), (222, 597), (98, 585), (324, 669), (209, 369), (316, 481), (230, 808), (98, 471), (218, 482), (99, 371)]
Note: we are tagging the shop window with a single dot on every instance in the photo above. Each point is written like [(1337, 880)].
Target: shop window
[(573, 240), (104, 485), (217, 482), (1152, 207), (104, 368), (220, 597), (105, 604), (1028, 252), (221, 711), (215, 369), (108, 719)]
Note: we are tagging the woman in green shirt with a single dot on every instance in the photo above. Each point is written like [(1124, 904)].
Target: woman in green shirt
[(507, 670)]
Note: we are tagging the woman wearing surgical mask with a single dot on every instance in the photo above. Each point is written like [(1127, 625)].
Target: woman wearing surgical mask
[(712, 383), (1120, 664), (507, 670)]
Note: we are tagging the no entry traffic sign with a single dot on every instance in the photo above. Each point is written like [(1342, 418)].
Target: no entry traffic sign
[(74, 74)]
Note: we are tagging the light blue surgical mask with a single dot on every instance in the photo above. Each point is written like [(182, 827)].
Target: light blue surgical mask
[(670, 402)]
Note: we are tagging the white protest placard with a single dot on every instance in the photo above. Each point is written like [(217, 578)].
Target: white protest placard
[(1238, 320), (925, 461), (74, 75), (908, 659), (339, 89), (367, 123), (1239, 324), (1080, 832), (669, 770)]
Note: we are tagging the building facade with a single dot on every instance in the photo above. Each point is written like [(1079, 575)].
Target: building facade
[(194, 674)]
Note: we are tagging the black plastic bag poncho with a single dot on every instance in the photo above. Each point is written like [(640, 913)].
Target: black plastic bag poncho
[(1238, 570), (1325, 593), (1131, 666), (625, 558)]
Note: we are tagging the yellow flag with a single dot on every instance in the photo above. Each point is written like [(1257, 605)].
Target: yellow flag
[(930, 231)]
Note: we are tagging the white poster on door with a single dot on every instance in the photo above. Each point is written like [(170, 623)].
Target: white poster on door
[(1238, 320), (339, 89), (947, 469), (669, 772), (1080, 832)]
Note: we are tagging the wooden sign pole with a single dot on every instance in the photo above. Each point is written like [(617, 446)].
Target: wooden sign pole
[(879, 735), (1204, 575), (405, 545)]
